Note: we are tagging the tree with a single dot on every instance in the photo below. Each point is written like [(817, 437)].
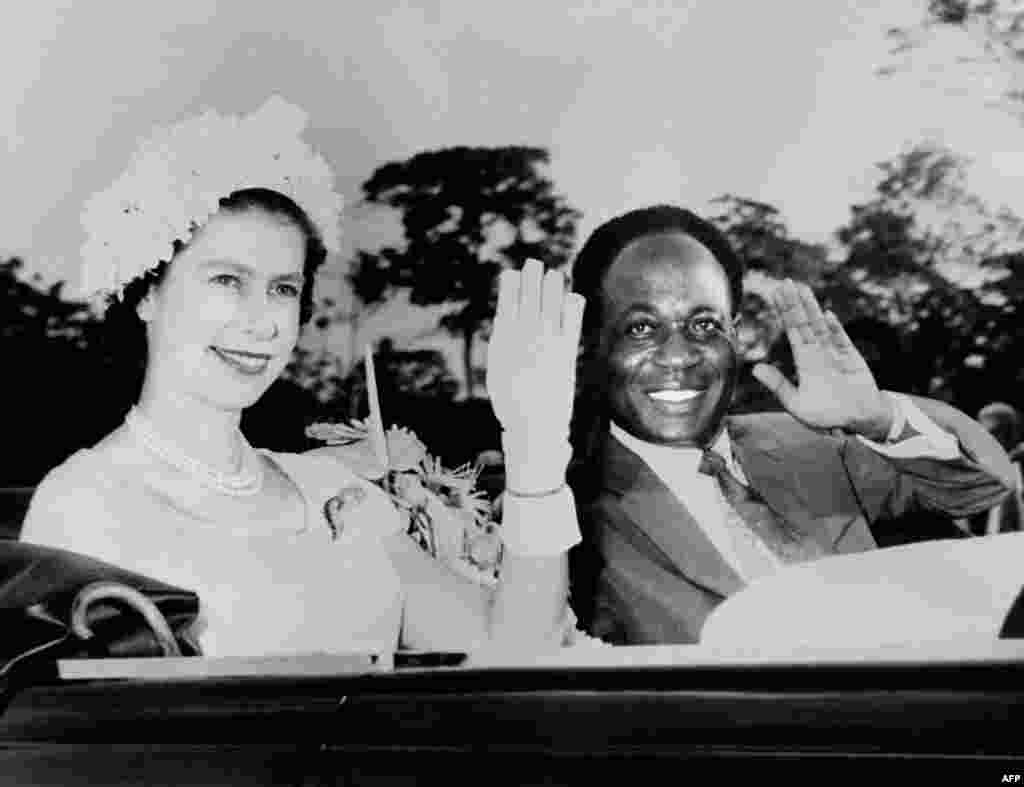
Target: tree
[(926, 256), (466, 213), (761, 238), (46, 344), (405, 378), (969, 330), (991, 34), (927, 282), (316, 371), (31, 313)]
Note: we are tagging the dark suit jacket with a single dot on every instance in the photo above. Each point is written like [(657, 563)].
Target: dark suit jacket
[(1011, 510), (646, 573)]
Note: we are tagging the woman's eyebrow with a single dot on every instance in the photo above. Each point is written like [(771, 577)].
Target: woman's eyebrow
[(248, 270), (232, 265)]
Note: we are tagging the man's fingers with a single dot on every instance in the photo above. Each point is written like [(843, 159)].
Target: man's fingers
[(847, 355), (815, 319), (785, 311), (776, 382), (794, 318), (839, 336)]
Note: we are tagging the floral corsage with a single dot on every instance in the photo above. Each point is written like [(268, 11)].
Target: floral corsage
[(444, 513)]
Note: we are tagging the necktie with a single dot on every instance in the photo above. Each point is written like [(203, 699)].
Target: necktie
[(755, 517)]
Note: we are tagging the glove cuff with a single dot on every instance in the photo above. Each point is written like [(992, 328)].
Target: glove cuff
[(535, 464)]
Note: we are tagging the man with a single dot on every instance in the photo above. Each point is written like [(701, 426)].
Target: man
[(682, 505)]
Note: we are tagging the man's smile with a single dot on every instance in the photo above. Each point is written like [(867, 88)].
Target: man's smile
[(675, 395), (669, 360)]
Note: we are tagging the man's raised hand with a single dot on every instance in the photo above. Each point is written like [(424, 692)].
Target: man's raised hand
[(835, 386)]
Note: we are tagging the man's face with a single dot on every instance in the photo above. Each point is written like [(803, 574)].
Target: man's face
[(668, 343)]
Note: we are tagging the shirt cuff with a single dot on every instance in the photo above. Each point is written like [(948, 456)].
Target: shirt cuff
[(930, 442), (540, 526)]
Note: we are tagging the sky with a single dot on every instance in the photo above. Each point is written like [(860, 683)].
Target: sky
[(637, 102)]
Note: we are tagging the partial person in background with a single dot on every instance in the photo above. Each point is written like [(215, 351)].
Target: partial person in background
[(1003, 421), (682, 505)]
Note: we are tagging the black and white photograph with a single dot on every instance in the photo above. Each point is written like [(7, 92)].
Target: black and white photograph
[(537, 393)]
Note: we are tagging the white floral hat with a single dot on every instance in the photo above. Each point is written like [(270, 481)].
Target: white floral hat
[(178, 176)]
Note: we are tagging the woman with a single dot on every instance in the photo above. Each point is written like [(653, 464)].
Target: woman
[(212, 239)]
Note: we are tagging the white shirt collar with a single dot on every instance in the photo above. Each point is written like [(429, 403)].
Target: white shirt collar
[(672, 461)]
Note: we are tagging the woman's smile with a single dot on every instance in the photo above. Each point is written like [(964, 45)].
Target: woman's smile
[(223, 322), (247, 363)]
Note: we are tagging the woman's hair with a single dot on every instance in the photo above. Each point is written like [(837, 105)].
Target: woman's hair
[(125, 333), (275, 204), (602, 248)]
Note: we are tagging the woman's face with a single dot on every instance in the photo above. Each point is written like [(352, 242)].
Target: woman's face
[(222, 324), (668, 340)]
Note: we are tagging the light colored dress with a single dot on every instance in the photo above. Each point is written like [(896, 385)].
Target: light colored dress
[(278, 586)]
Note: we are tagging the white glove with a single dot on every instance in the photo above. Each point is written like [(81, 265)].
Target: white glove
[(531, 374)]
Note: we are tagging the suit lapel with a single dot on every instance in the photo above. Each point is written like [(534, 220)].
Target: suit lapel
[(657, 517), (785, 479)]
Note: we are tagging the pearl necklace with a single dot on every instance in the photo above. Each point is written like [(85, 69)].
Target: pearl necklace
[(247, 481)]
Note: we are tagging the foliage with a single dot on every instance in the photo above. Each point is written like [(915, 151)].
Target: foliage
[(31, 313), (924, 255), (962, 333), (466, 213), (761, 238), (928, 284), (990, 34), (46, 345)]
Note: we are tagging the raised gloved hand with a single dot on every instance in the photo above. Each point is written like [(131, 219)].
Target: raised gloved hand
[(531, 374)]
